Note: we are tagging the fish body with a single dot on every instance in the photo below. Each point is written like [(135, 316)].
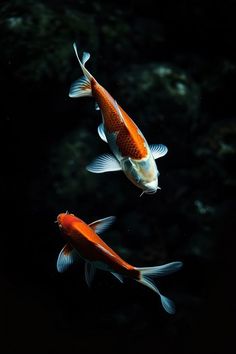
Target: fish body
[(83, 241), (132, 153), (91, 247)]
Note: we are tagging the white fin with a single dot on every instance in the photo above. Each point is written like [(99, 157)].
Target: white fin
[(89, 273), (158, 150), (97, 108), (86, 57), (66, 258), (80, 88), (118, 276), (160, 271), (101, 225), (104, 250), (101, 132), (148, 272), (167, 304), (104, 163)]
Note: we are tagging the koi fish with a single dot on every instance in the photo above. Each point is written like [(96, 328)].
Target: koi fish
[(132, 154), (84, 242)]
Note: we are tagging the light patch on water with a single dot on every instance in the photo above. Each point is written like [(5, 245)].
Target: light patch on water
[(181, 88), (163, 71), (203, 209), (14, 22)]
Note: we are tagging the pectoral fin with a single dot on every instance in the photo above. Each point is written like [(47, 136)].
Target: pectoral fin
[(158, 150), (104, 163), (101, 132), (101, 225), (97, 108), (66, 258)]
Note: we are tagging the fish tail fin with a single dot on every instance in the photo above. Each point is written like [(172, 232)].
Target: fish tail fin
[(146, 275), (82, 86)]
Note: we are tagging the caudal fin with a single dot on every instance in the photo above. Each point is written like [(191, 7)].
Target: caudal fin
[(82, 86), (146, 275)]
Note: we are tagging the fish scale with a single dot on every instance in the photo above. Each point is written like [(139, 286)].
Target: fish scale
[(128, 147)]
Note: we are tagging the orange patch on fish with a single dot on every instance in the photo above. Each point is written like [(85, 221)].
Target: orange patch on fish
[(131, 145), (129, 141)]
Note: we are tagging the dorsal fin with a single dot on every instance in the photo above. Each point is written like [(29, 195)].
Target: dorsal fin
[(119, 112)]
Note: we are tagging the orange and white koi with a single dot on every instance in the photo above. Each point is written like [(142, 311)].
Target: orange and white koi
[(132, 154), (84, 242)]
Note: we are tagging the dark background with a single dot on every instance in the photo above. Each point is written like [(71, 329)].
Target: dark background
[(171, 66)]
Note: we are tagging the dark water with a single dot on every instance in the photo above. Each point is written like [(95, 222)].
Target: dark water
[(172, 68)]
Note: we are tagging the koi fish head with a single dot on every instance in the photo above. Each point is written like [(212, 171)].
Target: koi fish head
[(143, 173), (65, 220)]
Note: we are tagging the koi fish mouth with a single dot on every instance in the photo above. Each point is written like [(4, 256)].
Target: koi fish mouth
[(148, 191), (151, 187)]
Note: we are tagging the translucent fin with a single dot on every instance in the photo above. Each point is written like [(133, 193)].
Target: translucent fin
[(145, 279), (158, 150), (101, 225), (167, 304), (66, 258), (97, 108), (81, 88), (118, 276), (160, 271), (104, 163), (89, 273), (85, 58), (101, 132)]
